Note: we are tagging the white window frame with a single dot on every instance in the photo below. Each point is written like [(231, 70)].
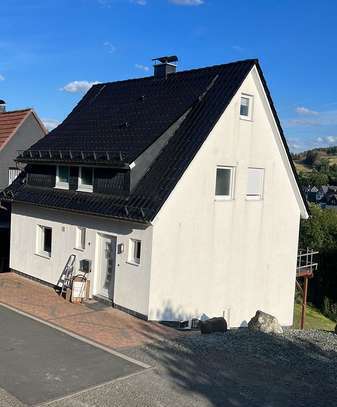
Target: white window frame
[(61, 184), (80, 238), (85, 187), (250, 98), (257, 196), (231, 185), (40, 231), (132, 252)]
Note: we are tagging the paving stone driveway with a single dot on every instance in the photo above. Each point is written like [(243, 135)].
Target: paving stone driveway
[(104, 325), (39, 363)]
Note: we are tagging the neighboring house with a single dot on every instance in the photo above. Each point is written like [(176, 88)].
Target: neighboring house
[(178, 187), (314, 194), (19, 129), (322, 192), (331, 195)]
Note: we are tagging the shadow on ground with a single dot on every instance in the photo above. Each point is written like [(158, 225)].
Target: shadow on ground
[(242, 368)]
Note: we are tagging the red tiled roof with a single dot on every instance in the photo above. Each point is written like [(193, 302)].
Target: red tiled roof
[(9, 122)]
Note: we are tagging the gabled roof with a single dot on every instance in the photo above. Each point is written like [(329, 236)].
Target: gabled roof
[(147, 107), (124, 118), (10, 123)]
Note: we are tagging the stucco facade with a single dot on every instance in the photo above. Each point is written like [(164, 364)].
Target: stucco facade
[(131, 281), (200, 257), (234, 256)]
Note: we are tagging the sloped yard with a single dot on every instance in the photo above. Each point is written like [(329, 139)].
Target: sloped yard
[(314, 319)]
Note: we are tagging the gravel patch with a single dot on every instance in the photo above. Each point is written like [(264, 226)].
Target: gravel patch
[(240, 368)]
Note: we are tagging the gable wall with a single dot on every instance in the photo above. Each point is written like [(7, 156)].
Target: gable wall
[(28, 133), (210, 256)]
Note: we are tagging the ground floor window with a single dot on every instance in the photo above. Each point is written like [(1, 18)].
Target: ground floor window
[(80, 238), (134, 251), (44, 240)]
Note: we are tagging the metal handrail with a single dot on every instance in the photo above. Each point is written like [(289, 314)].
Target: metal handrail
[(305, 260)]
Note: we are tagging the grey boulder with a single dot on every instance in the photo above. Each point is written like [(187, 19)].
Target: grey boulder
[(264, 322)]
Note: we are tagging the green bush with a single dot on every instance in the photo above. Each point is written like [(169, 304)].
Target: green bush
[(319, 232), (329, 309)]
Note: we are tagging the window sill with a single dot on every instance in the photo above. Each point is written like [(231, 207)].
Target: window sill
[(61, 186), (133, 263), (246, 119), (45, 255), (254, 198), (83, 189), (223, 198)]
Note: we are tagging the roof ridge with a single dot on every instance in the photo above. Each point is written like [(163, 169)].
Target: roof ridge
[(178, 73), (18, 110)]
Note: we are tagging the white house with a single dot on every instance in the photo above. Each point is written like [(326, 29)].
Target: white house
[(178, 187)]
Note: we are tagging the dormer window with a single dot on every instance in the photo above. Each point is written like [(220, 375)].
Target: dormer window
[(246, 107), (62, 177), (86, 179)]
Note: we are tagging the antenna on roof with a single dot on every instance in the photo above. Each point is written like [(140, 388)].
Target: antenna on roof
[(164, 66)]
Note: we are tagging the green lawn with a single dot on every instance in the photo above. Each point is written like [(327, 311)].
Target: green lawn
[(314, 319)]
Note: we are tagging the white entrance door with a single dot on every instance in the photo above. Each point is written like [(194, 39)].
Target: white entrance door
[(107, 261)]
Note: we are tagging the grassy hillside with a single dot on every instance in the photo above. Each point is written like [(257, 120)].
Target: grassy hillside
[(300, 167), (329, 154), (314, 319)]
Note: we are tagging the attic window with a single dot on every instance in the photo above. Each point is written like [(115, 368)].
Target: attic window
[(62, 177), (86, 179), (246, 107)]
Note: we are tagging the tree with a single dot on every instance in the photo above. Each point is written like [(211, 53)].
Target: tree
[(312, 157)]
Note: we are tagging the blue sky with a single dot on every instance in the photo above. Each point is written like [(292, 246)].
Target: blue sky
[(52, 50)]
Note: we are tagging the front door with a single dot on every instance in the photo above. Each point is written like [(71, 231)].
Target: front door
[(107, 259)]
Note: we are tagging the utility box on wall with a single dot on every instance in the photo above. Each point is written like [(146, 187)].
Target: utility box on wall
[(85, 266)]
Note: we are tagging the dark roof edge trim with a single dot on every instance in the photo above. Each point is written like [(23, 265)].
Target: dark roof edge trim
[(120, 218)]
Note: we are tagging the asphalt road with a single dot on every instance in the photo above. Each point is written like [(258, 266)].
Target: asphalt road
[(39, 363)]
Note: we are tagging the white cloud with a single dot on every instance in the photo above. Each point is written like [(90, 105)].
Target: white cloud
[(187, 2), (330, 139), (327, 140), (294, 146), (2, 78), (139, 2), (50, 123), (302, 122), (78, 86), (142, 67), (110, 47), (104, 3), (305, 111)]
